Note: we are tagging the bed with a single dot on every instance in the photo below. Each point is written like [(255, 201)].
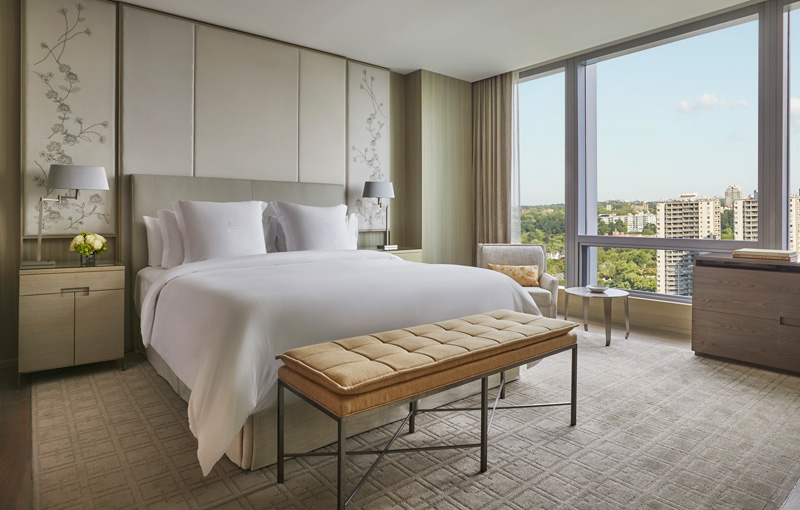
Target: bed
[(213, 328)]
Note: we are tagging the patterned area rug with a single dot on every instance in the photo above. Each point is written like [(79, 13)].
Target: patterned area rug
[(657, 428)]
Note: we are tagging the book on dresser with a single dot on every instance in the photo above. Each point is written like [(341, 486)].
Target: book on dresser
[(747, 309), (755, 253)]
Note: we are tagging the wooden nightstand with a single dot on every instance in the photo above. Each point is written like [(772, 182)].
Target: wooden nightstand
[(404, 252), (70, 315)]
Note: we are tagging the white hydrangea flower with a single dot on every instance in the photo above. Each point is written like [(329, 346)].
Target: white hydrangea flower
[(97, 244), (90, 239), (78, 239)]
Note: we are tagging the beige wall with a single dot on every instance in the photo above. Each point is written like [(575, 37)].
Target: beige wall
[(9, 177)]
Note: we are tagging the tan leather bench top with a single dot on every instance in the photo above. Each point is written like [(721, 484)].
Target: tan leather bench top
[(366, 363)]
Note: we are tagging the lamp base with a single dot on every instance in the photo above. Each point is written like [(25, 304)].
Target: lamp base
[(33, 264), (387, 247)]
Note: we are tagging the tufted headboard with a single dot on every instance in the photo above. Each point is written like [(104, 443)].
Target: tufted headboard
[(150, 193)]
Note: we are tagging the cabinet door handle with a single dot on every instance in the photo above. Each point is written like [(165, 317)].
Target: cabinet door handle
[(73, 290), (790, 321)]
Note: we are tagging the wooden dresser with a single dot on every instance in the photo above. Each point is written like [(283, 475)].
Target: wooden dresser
[(747, 310), (70, 316)]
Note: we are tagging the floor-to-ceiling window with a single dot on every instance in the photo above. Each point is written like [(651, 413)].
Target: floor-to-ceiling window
[(541, 164), (674, 146), (793, 207), (677, 152)]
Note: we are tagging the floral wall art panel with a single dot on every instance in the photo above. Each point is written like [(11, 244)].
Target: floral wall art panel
[(367, 140), (69, 105)]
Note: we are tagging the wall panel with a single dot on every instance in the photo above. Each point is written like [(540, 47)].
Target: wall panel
[(322, 153), (157, 93), (246, 97), (9, 176), (410, 209), (438, 175)]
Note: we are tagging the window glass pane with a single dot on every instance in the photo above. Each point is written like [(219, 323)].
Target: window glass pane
[(677, 138), (541, 163), (794, 130), (662, 271)]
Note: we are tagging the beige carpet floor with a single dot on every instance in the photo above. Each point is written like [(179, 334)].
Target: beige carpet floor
[(657, 428)]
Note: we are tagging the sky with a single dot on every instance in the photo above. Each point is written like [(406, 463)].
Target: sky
[(678, 118)]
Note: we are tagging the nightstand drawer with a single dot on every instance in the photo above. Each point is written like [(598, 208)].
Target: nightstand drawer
[(54, 283)]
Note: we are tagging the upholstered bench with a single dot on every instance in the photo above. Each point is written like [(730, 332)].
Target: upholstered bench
[(355, 375)]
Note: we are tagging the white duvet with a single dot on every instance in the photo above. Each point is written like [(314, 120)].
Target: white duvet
[(220, 323)]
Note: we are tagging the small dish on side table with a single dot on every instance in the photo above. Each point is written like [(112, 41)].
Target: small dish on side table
[(597, 289)]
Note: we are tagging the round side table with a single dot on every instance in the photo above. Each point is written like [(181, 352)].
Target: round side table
[(607, 296)]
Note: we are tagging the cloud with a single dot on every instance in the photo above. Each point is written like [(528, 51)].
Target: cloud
[(710, 102)]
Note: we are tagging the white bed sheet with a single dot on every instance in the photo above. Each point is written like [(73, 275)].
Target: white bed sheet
[(144, 280), (220, 323)]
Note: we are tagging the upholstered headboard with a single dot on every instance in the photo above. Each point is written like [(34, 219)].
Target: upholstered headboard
[(150, 193)]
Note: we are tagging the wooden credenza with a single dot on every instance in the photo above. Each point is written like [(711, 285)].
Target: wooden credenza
[(747, 310)]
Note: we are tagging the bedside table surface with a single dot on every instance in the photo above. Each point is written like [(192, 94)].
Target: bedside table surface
[(71, 265)]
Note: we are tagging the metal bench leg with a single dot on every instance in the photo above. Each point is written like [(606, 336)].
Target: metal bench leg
[(484, 423), (280, 431), (412, 408), (502, 385), (340, 470), (574, 387)]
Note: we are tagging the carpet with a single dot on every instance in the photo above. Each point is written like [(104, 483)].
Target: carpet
[(657, 428)]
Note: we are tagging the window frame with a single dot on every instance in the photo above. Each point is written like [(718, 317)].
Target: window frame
[(580, 173)]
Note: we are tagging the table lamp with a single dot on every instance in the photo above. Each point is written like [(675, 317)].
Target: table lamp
[(381, 190), (68, 177)]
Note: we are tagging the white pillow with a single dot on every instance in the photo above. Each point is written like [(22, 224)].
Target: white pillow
[(214, 230), (352, 227), (314, 228), (155, 244), (273, 234), (171, 238)]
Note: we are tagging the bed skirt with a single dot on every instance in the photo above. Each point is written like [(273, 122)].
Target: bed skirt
[(255, 446)]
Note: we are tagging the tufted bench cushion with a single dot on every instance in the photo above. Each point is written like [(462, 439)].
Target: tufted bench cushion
[(345, 375)]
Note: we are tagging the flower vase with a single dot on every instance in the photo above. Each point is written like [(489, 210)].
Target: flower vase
[(88, 260)]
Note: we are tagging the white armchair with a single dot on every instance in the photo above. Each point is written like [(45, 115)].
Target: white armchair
[(546, 295)]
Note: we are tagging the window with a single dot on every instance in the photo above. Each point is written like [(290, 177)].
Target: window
[(541, 163), (794, 134), (663, 146), (677, 138)]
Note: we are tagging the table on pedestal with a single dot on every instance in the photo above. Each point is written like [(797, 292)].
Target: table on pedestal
[(607, 296)]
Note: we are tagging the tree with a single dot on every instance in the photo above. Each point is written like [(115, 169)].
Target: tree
[(649, 230), (726, 219), (727, 233)]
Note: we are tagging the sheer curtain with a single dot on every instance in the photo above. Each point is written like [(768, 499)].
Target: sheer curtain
[(514, 199), (492, 134)]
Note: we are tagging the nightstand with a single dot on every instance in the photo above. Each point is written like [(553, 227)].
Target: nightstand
[(70, 315), (404, 252)]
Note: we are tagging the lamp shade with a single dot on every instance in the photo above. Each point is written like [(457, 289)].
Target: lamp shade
[(77, 177), (378, 189)]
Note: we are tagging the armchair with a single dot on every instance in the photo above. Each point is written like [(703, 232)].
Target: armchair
[(546, 295)]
